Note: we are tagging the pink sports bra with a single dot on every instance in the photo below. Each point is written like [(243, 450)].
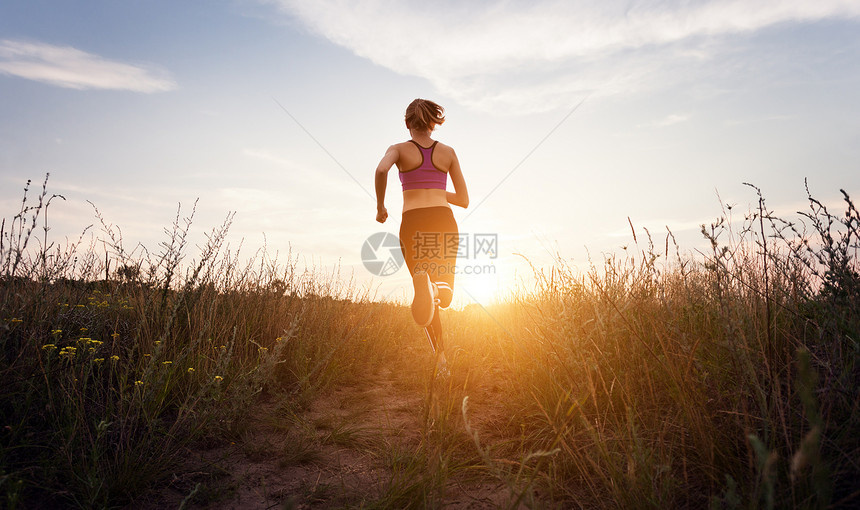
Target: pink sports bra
[(426, 175)]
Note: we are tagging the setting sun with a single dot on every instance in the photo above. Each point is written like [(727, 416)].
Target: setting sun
[(483, 289)]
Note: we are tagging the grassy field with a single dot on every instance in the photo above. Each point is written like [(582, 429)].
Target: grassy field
[(722, 380)]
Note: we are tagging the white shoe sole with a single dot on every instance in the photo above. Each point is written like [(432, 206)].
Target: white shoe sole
[(423, 304)]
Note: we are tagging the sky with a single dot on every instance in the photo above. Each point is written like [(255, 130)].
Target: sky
[(572, 120)]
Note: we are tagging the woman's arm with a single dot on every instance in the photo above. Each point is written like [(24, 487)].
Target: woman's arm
[(460, 196), (381, 179)]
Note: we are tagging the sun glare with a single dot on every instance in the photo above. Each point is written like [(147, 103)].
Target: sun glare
[(483, 289)]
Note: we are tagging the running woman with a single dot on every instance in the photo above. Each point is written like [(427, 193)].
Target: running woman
[(429, 238)]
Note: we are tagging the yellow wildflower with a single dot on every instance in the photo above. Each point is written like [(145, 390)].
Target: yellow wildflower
[(168, 362), (114, 358), (190, 369), (98, 360), (49, 347), (138, 383), (218, 378)]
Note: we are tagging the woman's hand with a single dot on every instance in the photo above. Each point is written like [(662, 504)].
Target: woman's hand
[(390, 158), (381, 214)]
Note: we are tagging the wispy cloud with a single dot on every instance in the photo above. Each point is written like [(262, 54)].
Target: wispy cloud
[(68, 67), (269, 157), (300, 175), (669, 120), (755, 120), (541, 54)]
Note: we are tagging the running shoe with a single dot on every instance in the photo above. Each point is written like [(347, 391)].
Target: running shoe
[(424, 302)]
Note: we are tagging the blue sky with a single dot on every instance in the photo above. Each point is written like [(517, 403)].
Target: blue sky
[(138, 106)]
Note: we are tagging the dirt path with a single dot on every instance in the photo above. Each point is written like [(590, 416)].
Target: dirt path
[(370, 444)]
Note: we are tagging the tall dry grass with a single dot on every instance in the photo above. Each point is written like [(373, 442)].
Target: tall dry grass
[(657, 379), (726, 379), (115, 364)]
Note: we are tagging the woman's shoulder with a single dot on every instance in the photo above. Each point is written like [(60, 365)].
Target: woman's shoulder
[(402, 145), (444, 148), (397, 148)]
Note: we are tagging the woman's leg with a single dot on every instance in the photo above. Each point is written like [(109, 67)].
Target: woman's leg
[(435, 332), (429, 239), (442, 269), (414, 222), (435, 344)]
